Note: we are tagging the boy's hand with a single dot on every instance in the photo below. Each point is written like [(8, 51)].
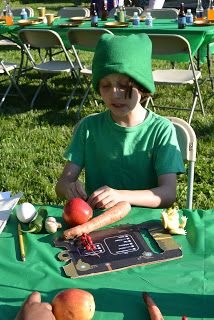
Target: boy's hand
[(75, 190), (34, 309), (104, 198)]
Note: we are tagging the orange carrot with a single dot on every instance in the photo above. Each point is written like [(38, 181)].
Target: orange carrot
[(116, 213), (154, 311)]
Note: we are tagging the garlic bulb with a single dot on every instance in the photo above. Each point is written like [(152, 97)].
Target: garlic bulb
[(51, 225)]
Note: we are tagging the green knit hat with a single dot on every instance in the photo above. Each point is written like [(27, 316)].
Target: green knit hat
[(129, 55)]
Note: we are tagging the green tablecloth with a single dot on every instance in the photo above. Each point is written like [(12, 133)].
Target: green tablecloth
[(197, 36), (180, 287)]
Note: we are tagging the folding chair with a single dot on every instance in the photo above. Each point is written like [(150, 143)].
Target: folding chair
[(210, 50), (164, 13), (172, 46), (68, 12), (17, 11), (9, 69), (129, 11), (85, 39), (47, 67), (188, 145)]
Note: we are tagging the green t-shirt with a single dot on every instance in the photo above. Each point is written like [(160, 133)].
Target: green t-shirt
[(124, 158)]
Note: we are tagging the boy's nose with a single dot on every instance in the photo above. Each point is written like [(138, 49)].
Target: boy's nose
[(117, 93)]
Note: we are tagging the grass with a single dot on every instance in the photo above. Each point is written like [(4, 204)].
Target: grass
[(33, 141)]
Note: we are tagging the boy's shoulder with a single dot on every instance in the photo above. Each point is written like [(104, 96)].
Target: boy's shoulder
[(159, 120), (92, 119)]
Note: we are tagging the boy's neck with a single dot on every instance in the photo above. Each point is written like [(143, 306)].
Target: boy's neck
[(134, 118)]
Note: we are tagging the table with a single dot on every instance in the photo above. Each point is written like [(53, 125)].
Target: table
[(198, 36), (180, 287)]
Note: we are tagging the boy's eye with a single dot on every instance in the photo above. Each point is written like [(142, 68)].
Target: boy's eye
[(123, 86), (105, 85)]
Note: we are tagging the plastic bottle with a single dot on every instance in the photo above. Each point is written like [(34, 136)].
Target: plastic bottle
[(181, 17), (23, 14), (199, 10), (121, 15), (210, 11), (136, 19), (94, 16), (9, 16), (4, 11), (149, 20), (189, 17)]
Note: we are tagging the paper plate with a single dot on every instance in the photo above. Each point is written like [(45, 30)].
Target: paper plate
[(202, 23), (27, 22), (76, 18), (116, 24), (70, 24)]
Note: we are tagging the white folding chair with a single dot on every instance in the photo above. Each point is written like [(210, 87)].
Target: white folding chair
[(188, 145), (85, 39), (129, 11), (164, 13), (47, 67), (17, 11), (68, 12), (9, 69), (172, 46)]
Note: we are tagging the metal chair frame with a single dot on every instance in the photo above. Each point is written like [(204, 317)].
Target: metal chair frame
[(188, 145), (68, 12), (7, 68), (48, 40), (170, 45), (129, 11), (164, 13), (85, 39)]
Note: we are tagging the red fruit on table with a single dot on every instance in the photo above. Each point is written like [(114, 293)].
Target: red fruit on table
[(77, 211), (73, 304)]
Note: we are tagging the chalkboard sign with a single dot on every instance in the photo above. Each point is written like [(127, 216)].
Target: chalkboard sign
[(117, 248)]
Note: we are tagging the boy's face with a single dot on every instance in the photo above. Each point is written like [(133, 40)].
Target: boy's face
[(114, 90)]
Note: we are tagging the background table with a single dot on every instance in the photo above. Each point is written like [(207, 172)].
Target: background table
[(198, 36), (180, 287)]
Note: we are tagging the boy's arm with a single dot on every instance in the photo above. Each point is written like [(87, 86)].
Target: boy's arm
[(68, 186), (162, 196)]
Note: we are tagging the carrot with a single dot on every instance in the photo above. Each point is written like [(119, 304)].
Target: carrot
[(154, 311), (116, 213)]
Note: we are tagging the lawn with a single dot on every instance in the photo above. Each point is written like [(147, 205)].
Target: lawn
[(33, 141)]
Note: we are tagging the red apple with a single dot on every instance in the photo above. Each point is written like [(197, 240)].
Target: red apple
[(73, 304), (77, 211)]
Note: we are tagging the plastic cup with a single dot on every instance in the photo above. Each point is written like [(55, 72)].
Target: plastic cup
[(50, 18), (41, 11)]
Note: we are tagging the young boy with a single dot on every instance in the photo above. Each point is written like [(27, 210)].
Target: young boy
[(128, 152)]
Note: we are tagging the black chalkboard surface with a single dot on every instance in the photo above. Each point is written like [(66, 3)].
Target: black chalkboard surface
[(119, 247)]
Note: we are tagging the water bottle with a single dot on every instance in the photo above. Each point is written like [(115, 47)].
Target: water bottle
[(199, 10), (136, 19), (24, 14), (148, 20), (189, 17)]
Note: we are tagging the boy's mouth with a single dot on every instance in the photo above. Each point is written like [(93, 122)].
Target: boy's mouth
[(118, 105)]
